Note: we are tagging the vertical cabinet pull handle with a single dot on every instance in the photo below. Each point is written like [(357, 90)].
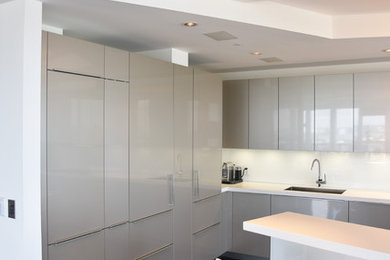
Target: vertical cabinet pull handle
[(179, 166), (172, 189), (195, 178)]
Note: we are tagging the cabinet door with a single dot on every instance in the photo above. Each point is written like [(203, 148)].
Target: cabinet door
[(372, 109), (331, 209), (235, 114), (116, 152), (227, 209), (334, 113), (247, 206), (206, 213), (90, 247), (163, 254), (116, 63), (207, 243), (369, 214), (207, 135), (75, 155), (74, 55), (151, 136), (117, 242), (296, 113), (263, 114), (183, 103)]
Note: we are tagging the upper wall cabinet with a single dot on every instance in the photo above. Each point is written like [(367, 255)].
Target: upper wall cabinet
[(372, 111), (296, 113), (116, 64), (334, 113), (76, 56), (263, 114), (235, 114)]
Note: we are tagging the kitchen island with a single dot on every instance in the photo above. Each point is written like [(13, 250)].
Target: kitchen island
[(298, 236)]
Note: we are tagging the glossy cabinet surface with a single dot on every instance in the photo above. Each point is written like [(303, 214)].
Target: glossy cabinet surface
[(183, 103), (331, 209), (263, 114), (247, 206), (369, 214), (74, 55), (163, 254), (296, 113), (116, 152), (117, 242), (372, 109), (150, 234), (90, 247), (116, 64), (334, 113), (227, 232), (207, 135), (235, 114), (151, 136), (207, 243), (206, 213), (75, 155)]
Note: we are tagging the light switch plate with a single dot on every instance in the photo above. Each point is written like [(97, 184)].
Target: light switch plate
[(3, 208)]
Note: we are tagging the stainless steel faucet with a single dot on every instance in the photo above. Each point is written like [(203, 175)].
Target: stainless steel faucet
[(319, 181)]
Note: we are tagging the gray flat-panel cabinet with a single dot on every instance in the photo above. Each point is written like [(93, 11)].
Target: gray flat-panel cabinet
[(369, 214), (372, 109), (207, 135), (116, 64), (117, 242), (226, 234), (296, 113), (90, 247), (74, 55), (163, 254), (74, 155), (331, 209), (247, 206), (206, 244), (263, 114), (183, 103), (235, 114), (206, 213), (151, 136), (116, 152), (334, 113)]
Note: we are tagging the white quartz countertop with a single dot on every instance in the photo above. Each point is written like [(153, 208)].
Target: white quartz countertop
[(279, 189), (337, 236)]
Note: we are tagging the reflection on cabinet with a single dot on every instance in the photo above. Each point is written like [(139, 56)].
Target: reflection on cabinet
[(116, 152), (207, 134), (369, 214), (117, 242), (247, 206), (296, 113), (334, 113), (90, 247), (151, 136), (74, 155), (206, 213), (206, 244), (74, 55), (263, 114), (116, 64), (331, 209), (235, 114), (372, 111)]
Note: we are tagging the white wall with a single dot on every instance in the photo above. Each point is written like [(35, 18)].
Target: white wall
[(347, 170), (20, 50)]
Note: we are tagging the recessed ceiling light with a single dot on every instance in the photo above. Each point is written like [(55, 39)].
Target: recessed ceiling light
[(256, 53), (387, 50), (190, 24)]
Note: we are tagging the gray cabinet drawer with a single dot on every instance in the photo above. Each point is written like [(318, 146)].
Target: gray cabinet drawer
[(165, 253), (206, 213), (247, 206), (74, 55), (331, 209), (369, 214), (207, 243), (150, 234), (117, 242)]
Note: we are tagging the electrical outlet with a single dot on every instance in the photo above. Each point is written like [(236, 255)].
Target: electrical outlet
[(11, 209), (3, 211)]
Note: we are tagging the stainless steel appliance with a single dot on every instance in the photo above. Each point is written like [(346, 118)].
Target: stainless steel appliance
[(231, 173)]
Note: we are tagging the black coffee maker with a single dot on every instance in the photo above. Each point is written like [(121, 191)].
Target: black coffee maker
[(239, 173)]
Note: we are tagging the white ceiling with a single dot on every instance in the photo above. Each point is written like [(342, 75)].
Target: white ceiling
[(139, 28)]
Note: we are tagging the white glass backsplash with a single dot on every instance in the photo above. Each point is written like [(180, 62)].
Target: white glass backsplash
[(346, 170)]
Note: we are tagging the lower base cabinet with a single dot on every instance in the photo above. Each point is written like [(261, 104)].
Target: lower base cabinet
[(89, 247), (248, 206), (206, 244), (369, 214), (116, 242), (165, 253)]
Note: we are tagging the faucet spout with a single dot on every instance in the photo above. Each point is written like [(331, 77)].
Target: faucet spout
[(319, 180)]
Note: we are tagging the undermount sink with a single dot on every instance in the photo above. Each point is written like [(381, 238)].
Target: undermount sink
[(321, 190)]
